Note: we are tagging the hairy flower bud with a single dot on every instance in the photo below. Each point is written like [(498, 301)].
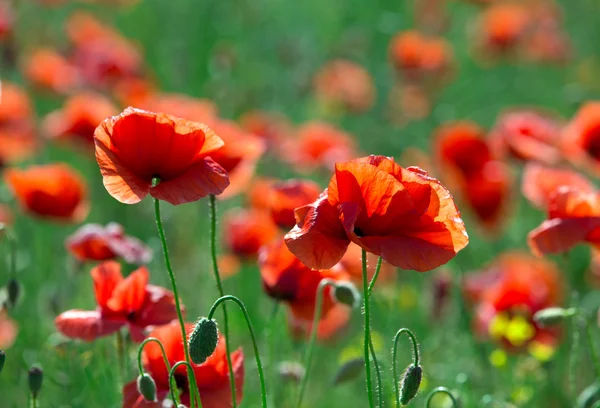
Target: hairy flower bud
[(203, 340), (36, 378), (346, 293), (2, 359), (411, 381), (147, 387), (553, 316)]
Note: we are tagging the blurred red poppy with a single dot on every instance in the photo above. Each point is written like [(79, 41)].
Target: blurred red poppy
[(461, 148), (581, 137), (246, 230), (520, 286), (121, 301), (79, 118), (133, 91), (238, 156), (93, 242), (6, 20), (352, 263), (8, 330), (212, 377), (255, 196), (272, 127), (181, 106), (52, 191), (344, 84), (17, 137), (285, 278), (284, 197), (501, 28), (318, 144), (47, 69), (137, 146), (540, 182), (527, 134), (573, 218), (402, 215)]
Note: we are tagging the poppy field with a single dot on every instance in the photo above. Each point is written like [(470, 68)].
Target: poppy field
[(299, 204)]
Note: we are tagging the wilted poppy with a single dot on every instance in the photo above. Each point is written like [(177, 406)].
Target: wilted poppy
[(47, 69), (318, 144), (212, 377), (581, 137), (400, 214), (238, 156), (345, 84), (527, 134), (93, 242), (138, 146), (285, 278), (121, 301), (53, 191), (284, 197), (521, 286), (352, 263), (246, 230), (573, 218), (17, 137), (79, 118), (540, 182)]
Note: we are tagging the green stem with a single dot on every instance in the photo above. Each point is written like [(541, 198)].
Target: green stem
[(377, 374), (121, 353), (212, 204), (367, 339), (273, 379), (163, 240), (415, 345), (377, 270), (193, 394), (261, 374), (592, 347), (443, 390), (12, 241), (313, 336), (34, 402), (141, 348)]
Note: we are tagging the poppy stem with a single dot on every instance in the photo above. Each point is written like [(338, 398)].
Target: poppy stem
[(12, 242), (313, 336), (377, 374), (261, 374), (591, 345), (367, 329), (120, 354), (415, 345), (442, 390), (34, 401), (212, 205), (141, 348), (163, 240), (193, 394), (377, 269)]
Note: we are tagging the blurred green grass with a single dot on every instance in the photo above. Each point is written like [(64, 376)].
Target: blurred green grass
[(277, 46)]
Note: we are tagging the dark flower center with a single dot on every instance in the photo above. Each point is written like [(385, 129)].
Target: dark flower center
[(358, 232)]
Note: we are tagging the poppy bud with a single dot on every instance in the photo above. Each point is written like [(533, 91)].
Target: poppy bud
[(203, 340), (411, 381), (2, 359), (13, 288), (346, 293), (36, 377), (290, 371), (147, 387), (553, 316), (349, 370)]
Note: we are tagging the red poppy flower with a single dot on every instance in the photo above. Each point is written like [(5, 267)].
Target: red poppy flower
[(521, 286), (239, 156), (527, 135), (8, 330), (137, 146), (573, 218), (286, 278), (540, 182), (79, 117), (245, 231), (121, 301), (17, 137), (318, 144), (421, 57), (212, 377), (255, 196), (182, 106), (134, 91), (47, 69), (402, 215), (461, 147), (93, 242), (502, 28), (581, 137), (285, 196), (345, 84), (50, 191), (352, 263)]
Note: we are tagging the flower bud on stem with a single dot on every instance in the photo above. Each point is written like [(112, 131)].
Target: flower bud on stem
[(192, 387), (412, 374)]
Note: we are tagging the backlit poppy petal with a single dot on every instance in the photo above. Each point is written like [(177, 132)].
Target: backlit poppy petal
[(129, 295), (106, 276), (158, 307), (559, 235), (539, 182), (285, 196), (85, 325), (247, 230)]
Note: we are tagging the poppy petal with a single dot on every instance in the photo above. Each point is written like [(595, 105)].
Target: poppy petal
[(561, 234), (86, 325), (106, 276), (221, 397), (204, 178), (158, 308), (130, 294), (539, 182)]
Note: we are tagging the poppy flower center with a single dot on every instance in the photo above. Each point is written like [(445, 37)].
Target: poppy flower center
[(358, 232)]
